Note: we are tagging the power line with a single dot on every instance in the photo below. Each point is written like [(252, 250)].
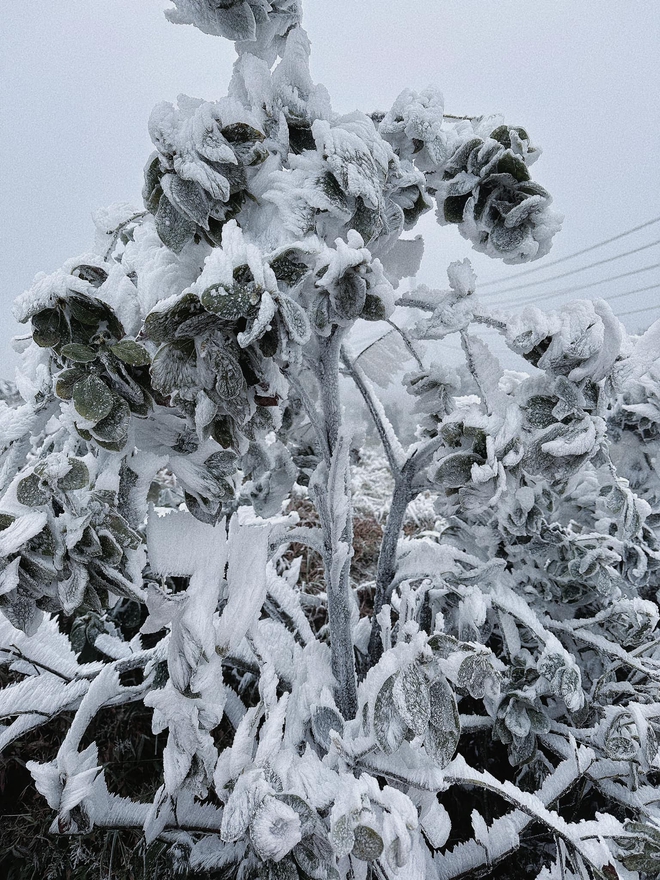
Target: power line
[(630, 292), (607, 299), (574, 254), (581, 268), (638, 311), (616, 296), (574, 289), (491, 330)]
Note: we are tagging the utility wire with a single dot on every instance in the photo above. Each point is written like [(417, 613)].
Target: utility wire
[(616, 295), (522, 302), (570, 256), (630, 292), (581, 268), (638, 311)]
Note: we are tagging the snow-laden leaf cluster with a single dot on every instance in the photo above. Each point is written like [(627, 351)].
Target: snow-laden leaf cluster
[(179, 452)]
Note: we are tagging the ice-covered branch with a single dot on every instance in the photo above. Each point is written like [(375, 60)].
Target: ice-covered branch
[(391, 444)]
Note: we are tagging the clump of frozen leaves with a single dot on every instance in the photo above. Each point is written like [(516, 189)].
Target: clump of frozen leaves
[(184, 377)]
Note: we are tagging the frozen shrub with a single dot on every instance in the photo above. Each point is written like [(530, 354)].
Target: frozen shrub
[(500, 675)]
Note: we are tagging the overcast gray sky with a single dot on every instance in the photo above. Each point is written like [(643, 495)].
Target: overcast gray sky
[(79, 78)]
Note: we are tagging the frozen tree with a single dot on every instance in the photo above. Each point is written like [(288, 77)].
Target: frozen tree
[(181, 384)]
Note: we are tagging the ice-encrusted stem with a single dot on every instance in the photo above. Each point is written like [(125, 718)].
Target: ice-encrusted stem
[(312, 413), (106, 689), (331, 493), (604, 646), (466, 859), (387, 557), (403, 470), (404, 492), (327, 373), (393, 449)]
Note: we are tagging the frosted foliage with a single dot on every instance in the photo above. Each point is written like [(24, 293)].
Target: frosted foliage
[(352, 659), (251, 20), (275, 829)]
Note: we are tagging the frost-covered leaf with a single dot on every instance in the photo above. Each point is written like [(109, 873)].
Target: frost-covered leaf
[(21, 530), (368, 844), (374, 308), (404, 259), (511, 164), (93, 312), (564, 677), (539, 411), (477, 676), (222, 463), (20, 609), (131, 353), (46, 694), (271, 487), (241, 133), (48, 328), (454, 208), (229, 381), (412, 699), (95, 275), (76, 477), (174, 229), (309, 862), (72, 589), (111, 551), (229, 303), (66, 380), (30, 491), (444, 731), (621, 742), (383, 358), (350, 295), (160, 813), (236, 814), (275, 829), (350, 159), (114, 427), (78, 353), (342, 837), (325, 719), (455, 470), (125, 535), (188, 197), (436, 824), (295, 319), (92, 398), (6, 519), (174, 368), (284, 870), (389, 727), (47, 781), (161, 324), (246, 579), (9, 576), (309, 820), (232, 19), (261, 324), (288, 269)]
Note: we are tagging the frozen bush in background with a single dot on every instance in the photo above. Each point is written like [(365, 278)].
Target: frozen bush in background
[(184, 376)]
